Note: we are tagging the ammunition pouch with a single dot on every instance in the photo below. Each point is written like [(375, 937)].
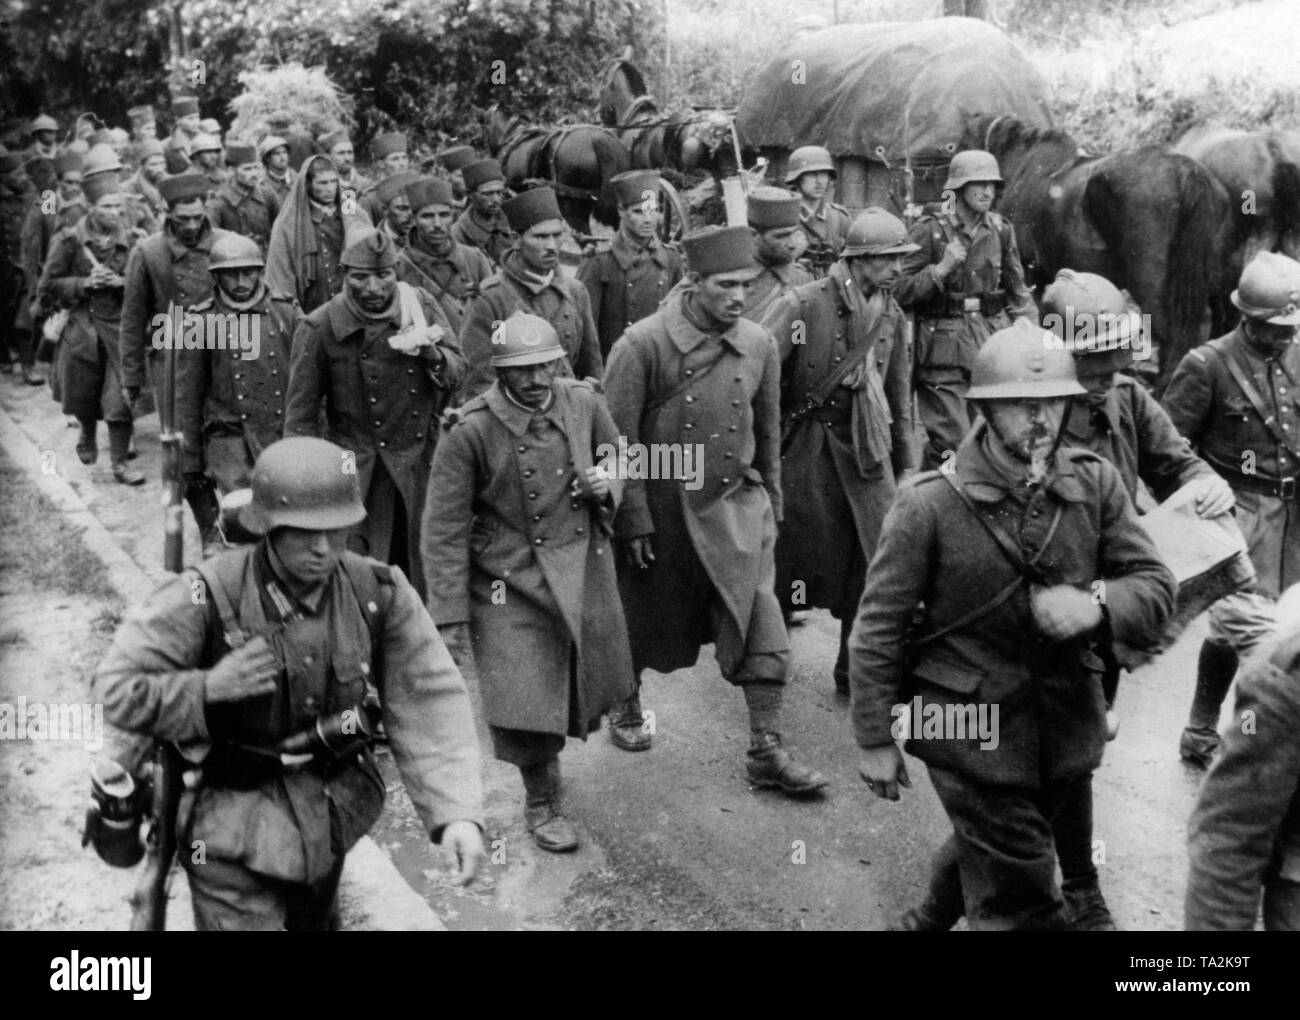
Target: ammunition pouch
[(326, 747)]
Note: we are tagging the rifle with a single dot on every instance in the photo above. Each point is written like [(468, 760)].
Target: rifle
[(170, 441)]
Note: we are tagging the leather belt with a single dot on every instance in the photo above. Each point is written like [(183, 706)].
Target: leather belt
[(1280, 488), (957, 305)]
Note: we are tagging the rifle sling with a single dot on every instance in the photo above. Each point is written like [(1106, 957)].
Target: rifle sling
[(1256, 401), (682, 385), (828, 385)]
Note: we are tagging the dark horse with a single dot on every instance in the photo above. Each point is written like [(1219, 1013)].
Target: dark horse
[(1149, 220), (1261, 170), (577, 160), (690, 142)]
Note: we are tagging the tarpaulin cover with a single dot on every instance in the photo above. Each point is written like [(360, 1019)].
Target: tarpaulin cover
[(890, 89)]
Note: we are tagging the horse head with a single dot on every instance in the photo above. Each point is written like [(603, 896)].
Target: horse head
[(624, 96), (499, 127)]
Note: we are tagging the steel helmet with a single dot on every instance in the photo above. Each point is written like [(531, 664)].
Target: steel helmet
[(99, 159), (877, 232), (525, 339), (972, 165), (205, 143), (235, 251), (808, 159), (269, 144), (1090, 314), (1269, 289), (44, 122), (1020, 361), (304, 482)]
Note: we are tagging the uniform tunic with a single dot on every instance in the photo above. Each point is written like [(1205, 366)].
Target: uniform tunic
[(453, 277), (626, 284), (509, 549), (493, 239), (250, 213), (713, 532), (774, 283), (562, 302), (825, 227)]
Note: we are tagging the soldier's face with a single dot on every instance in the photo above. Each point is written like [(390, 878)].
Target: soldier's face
[(529, 384), (641, 220), (248, 174), (46, 138), (278, 159), (1270, 337), (399, 214), (433, 224), (239, 284), (154, 167), (309, 557), (1097, 378), (208, 159), (145, 131), (343, 156), (978, 196), (487, 198), (70, 185), (1028, 426), (189, 124), (813, 186), (188, 219), (371, 289), (722, 295), (875, 272), (781, 245), (323, 187), (110, 209), (539, 246), (395, 163)]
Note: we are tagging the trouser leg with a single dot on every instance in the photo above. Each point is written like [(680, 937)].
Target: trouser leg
[(229, 897), (941, 406), (942, 906)]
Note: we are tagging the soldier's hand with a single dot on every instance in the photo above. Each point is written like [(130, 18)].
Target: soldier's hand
[(463, 844), (1063, 611), (1212, 496), (882, 769), (456, 637), (953, 256), (250, 671), (597, 481), (639, 553)]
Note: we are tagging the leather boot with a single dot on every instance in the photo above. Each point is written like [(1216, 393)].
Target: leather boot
[(551, 830), (841, 672), (1088, 910), (929, 916), (1215, 668), (127, 475), (627, 726), (769, 765)]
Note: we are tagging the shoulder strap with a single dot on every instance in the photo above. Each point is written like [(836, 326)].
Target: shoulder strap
[(682, 385), (1256, 401), (1010, 548), (231, 630), (365, 578), (155, 257)]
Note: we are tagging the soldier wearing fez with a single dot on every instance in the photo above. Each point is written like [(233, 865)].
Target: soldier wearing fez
[(530, 280), (627, 282), (698, 564), (271, 688), (773, 215), (436, 261), (517, 551), (243, 204), (483, 225)]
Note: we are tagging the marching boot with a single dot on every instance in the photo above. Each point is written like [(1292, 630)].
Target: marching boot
[(31, 378), (841, 672), (770, 766), (943, 905), (551, 830), (202, 498), (1215, 669), (119, 441), (87, 450), (627, 725), (1088, 910)]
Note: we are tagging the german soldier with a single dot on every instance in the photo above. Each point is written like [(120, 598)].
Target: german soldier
[(483, 225), (698, 544), (243, 204), (383, 378), (436, 261), (809, 173), (627, 282), (773, 215), (530, 280), (517, 552), (1237, 400), (963, 283), (1021, 554), (846, 420), (270, 686), (230, 402)]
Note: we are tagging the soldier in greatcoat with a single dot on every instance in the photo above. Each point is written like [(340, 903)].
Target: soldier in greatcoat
[(846, 421), (273, 151), (627, 282), (530, 280), (483, 224), (773, 215), (244, 204), (337, 145), (452, 272), (698, 534), (384, 378), (517, 551)]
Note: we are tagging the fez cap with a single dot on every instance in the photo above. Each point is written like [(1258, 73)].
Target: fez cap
[(429, 191), (239, 153), (392, 186), (96, 187), (632, 187), (183, 188), (714, 249), (480, 171), (369, 250), (456, 157), (140, 114), (66, 162), (387, 143), (335, 138), (529, 208), (184, 106), (772, 208)]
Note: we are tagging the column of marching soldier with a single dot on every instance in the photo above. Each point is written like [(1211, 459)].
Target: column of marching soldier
[(477, 402)]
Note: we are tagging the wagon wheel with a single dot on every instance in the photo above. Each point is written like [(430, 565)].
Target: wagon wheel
[(676, 219)]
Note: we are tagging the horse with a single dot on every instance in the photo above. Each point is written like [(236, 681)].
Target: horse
[(1261, 171), (689, 142), (577, 160), (1149, 220)]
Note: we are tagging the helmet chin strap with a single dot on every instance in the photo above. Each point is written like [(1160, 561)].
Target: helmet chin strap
[(1033, 478)]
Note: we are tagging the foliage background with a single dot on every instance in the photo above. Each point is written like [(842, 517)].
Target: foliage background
[(1121, 72)]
